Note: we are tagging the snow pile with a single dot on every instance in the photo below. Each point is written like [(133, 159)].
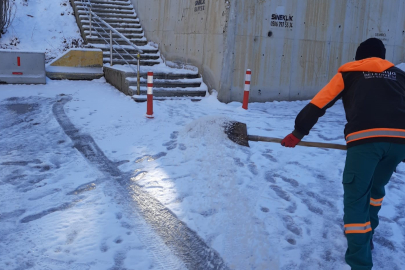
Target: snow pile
[(209, 129), (42, 25)]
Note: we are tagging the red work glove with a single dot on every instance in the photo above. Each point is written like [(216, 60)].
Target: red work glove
[(290, 141)]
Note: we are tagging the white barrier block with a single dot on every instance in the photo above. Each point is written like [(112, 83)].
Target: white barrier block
[(22, 67)]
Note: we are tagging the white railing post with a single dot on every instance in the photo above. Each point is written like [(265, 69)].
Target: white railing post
[(139, 75), (111, 49), (90, 21)]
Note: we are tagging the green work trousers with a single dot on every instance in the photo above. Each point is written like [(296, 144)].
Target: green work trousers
[(368, 169)]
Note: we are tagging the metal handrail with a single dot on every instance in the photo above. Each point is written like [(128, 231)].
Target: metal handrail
[(112, 29), (115, 31)]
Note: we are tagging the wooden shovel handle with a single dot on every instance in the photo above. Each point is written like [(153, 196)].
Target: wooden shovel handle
[(256, 138)]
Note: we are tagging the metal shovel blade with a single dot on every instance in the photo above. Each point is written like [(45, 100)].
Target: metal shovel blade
[(237, 132)]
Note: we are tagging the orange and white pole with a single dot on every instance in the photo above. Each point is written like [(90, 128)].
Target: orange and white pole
[(247, 89), (149, 110)]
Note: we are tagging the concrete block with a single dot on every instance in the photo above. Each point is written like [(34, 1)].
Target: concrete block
[(77, 64), (117, 78), (80, 58), (22, 67)]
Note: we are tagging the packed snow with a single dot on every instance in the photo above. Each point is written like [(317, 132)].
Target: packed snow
[(263, 207)]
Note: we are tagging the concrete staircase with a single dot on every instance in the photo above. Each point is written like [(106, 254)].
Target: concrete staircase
[(169, 83)]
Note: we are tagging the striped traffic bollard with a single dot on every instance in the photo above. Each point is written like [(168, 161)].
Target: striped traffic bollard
[(149, 110), (247, 89)]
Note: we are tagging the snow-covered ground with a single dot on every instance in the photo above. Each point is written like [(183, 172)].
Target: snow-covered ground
[(42, 25), (263, 207)]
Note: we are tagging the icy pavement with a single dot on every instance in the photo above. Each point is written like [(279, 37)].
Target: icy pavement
[(57, 211), (77, 206)]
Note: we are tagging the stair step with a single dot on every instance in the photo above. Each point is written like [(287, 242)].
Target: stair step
[(130, 51), (112, 13), (103, 6), (131, 62), (120, 41), (123, 31), (144, 56), (164, 76), (102, 10), (171, 92), (112, 19), (135, 27), (95, 2), (105, 42), (143, 98), (84, 20), (114, 35), (108, 16), (106, 48), (85, 23), (158, 83), (111, 1)]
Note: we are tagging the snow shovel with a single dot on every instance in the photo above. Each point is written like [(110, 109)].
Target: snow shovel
[(237, 132)]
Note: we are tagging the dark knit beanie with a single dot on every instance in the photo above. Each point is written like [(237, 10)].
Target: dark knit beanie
[(372, 47)]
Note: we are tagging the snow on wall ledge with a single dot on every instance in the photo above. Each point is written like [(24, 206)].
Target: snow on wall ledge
[(293, 47)]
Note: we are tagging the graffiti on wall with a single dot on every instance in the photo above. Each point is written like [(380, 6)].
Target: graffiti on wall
[(281, 20), (382, 36), (199, 5)]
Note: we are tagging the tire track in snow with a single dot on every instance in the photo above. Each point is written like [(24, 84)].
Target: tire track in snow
[(168, 232)]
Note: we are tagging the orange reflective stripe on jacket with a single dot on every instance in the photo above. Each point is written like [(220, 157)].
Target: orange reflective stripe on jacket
[(377, 132), (329, 92), (358, 228), (376, 202)]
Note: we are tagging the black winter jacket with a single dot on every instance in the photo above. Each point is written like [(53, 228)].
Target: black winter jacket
[(373, 94)]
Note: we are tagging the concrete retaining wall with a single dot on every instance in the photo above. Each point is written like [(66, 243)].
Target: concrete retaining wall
[(80, 58), (77, 64), (22, 67), (117, 78), (293, 47), (185, 35)]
